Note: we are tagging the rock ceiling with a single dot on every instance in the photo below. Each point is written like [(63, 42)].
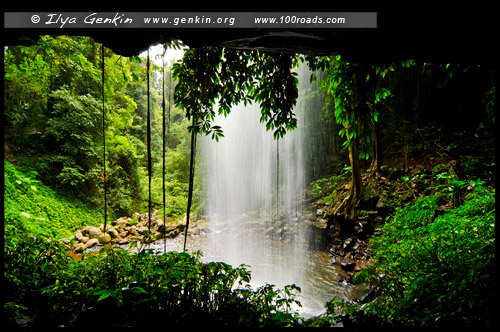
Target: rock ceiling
[(459, 35)]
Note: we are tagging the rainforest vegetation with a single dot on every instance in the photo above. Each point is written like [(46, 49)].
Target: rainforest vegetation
[(90, 136)]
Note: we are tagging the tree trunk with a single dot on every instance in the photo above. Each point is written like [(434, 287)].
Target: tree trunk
[(376, 149), (356, 185), (344, 215)]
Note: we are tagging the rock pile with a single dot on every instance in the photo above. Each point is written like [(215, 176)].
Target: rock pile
[(125, 230)]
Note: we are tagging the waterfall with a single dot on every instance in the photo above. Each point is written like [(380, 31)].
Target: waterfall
[(242, 187)]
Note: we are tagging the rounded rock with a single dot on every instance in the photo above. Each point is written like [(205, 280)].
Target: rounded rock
[(104, 238), (91, 243)]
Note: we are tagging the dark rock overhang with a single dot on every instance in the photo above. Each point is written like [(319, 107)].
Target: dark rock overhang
[(457, 35)]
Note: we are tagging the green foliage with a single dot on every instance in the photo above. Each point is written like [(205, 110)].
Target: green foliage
[(440, 270), (54, 124), (32, 208), (46, 287), (354, 90), (329, 186), (211, 76)]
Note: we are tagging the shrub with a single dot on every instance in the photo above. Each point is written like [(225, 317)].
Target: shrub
[(435, 271), (47, 288)]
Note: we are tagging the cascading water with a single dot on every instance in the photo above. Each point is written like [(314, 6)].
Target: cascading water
[(255, 187), (244, 192)]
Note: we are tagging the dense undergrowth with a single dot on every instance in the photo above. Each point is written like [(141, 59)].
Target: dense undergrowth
[(32, 208), (113, 288), (436, 270)]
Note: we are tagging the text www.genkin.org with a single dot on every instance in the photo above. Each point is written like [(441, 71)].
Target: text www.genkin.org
[(192, 20), (245, 20)]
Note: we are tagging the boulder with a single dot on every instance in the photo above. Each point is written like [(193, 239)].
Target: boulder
[(122, 223), (83, 239), (417, 169), (104, 238), (119, 220), (91, 231), (140, 229), (65, 241), (172, 234), (78, 234), (79, 247), (362, 263), (191, 218), (123, 240), (91, 243), (112, 232), (132, 230), (380, 203), (180, 226)]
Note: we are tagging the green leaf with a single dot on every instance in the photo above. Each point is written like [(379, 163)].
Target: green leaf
[(138, 290)]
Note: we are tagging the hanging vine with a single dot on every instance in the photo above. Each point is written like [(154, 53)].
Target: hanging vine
[(104, 174), (149, 144), (164, 146)]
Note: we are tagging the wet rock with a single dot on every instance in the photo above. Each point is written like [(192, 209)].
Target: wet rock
[(347, 266), (365, 293), (348, 243), (319, 212), (172, 234), (254, 224), (203, 226), (269, 232)]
